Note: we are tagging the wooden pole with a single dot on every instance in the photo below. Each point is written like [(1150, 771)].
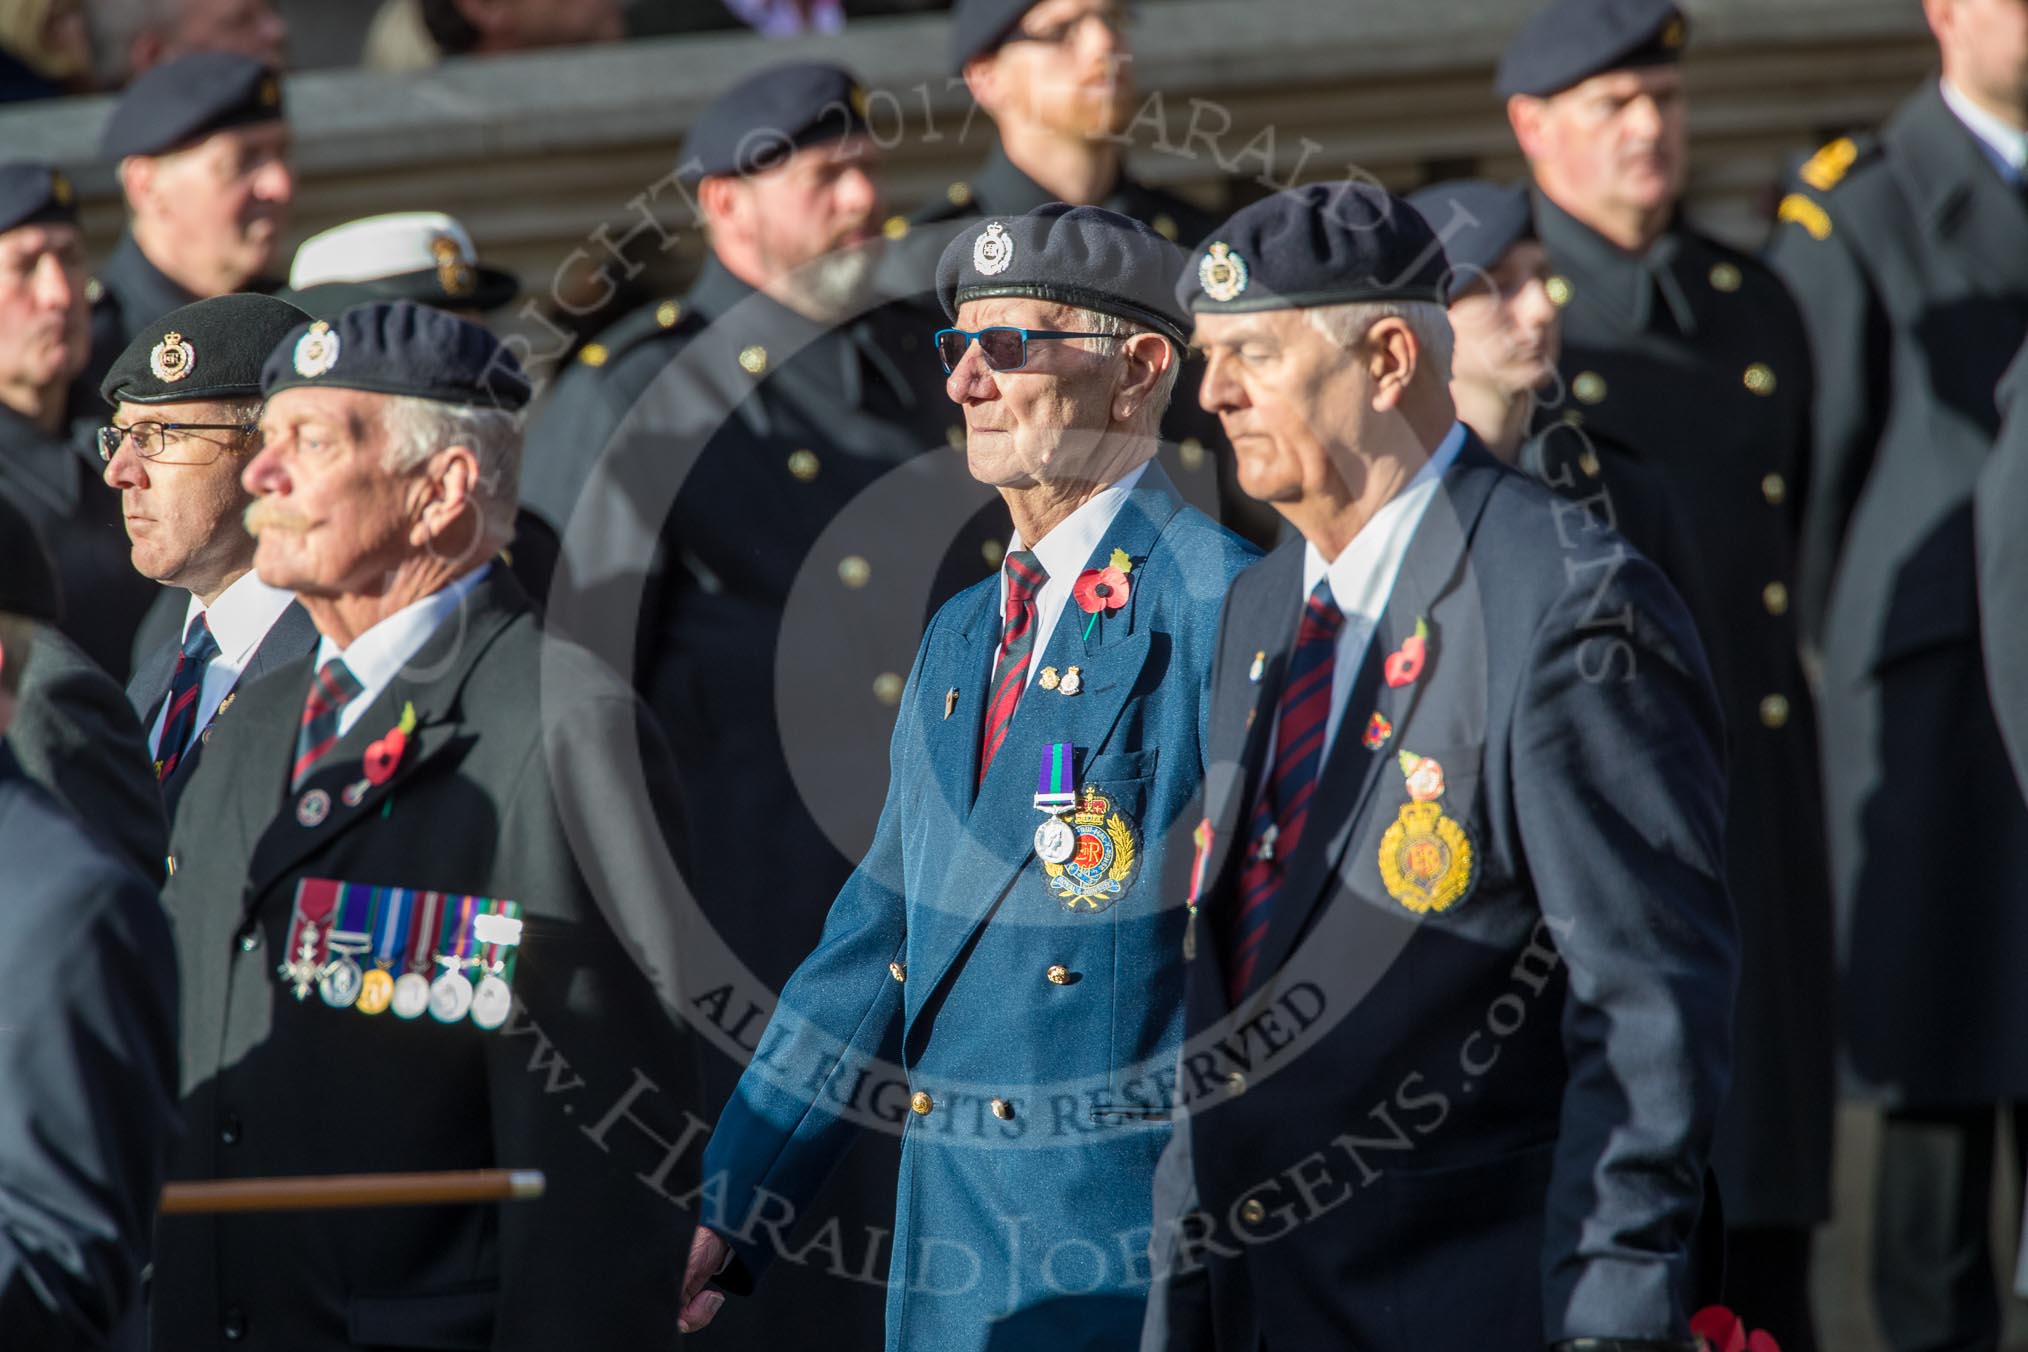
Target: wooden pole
[(352, 1191)]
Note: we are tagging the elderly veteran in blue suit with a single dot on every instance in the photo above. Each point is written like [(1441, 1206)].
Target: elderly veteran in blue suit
[(1461, 962), (998, 981)]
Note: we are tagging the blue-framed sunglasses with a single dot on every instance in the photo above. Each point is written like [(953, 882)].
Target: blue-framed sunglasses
[(1005, 348)]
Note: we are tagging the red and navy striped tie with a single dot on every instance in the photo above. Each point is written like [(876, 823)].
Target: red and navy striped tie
[(1025, 577), (333, 689), (1283, 804), (185, 686)]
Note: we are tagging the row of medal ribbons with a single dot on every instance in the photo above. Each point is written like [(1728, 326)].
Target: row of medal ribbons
[(375, 949)]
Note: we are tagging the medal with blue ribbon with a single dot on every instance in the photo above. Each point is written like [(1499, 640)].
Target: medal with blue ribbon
[(1056, 794), (390, 940)]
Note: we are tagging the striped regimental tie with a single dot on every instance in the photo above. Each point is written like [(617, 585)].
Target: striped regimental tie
[(179, 724), (1025, 577), (333, 689), (1283, 804)]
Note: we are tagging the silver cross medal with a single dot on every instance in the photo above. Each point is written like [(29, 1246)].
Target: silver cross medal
[(1267, 842), (303, 972)]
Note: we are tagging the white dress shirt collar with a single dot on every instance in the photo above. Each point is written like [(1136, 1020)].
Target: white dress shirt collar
[(239, 619), (1064, 552), (377, 656), (1363, 574), (241, 616), (2008, 143)]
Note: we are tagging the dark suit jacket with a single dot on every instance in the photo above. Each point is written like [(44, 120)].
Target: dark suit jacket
[(291, 638), (1908, 255), (516, 785), (1482, 1124), (75, 736), (87, 1077)]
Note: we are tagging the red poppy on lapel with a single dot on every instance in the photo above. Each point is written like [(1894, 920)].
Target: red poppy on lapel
[(1405, 663), (384, 755), (1720, 1330), (1100, 589)]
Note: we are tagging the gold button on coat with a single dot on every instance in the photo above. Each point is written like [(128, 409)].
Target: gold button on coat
[(1724, 277), (1058, 974), (804, 465), (992, 551), (854, 571), (1252, 1212), (1236, 1082), (1190, 451), (920, 1103), (1774, 488), (1003, 1110), (1559, 290), (667, 313), (753, 359), (887, 688), (897, 971), (1588, 462), (895, 227), (1774, 711), (1589, 387), (1776, 598), (1760, 379)]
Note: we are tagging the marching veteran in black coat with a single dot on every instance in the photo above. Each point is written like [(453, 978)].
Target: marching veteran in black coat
[(1693, 354), (87, 1030), (1461, 961), (417, 903), (1908, 254)]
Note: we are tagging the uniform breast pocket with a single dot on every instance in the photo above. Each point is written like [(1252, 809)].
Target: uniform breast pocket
[(1422, 842)]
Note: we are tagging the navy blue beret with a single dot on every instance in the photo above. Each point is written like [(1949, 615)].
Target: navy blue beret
[(769, 115), (1322, 244), (28, 582), (35, 194), (191, 97), (400, 347), (210, 349), (977, 27), (1477, 221), (1087, 257), (1573, 40)]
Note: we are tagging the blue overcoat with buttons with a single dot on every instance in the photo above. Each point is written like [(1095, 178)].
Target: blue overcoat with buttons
[(1022, 1050)]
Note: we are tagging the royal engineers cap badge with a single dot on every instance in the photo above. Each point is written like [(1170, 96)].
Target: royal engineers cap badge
[(316, 351), (993, 251), (1102, 860), (172, 359), (1222, 273)]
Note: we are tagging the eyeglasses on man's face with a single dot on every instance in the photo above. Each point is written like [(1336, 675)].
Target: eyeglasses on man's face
[(152, 438), (1004, 347)]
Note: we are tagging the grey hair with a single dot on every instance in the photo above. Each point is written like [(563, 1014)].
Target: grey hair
[(1346, 324), (418, 428), (1147, 419)]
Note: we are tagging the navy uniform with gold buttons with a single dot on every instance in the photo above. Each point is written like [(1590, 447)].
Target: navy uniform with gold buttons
[(1693, 354), (326, 870), (172, 106), (1908, 254), (51, 475)]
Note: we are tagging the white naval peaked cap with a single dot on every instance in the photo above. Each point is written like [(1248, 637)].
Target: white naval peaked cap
[(377, 247)]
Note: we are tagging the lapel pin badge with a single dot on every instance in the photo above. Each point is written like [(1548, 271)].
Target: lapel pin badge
[(313, 807), (1048, 678), (1253, 673), (1073, 681), (1404, 665), (950, 700)]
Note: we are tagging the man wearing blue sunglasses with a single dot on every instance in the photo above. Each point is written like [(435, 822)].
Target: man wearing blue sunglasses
[(999, 982)]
